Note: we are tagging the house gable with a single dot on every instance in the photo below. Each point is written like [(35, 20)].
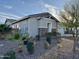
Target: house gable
[(37, 16)]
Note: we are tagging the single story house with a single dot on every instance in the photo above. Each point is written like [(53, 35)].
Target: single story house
[(39, 24), (36, 24)]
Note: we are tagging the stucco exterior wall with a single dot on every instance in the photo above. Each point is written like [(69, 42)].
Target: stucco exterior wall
[(32, 25), (43, 22), (23, 27), (43, 26)]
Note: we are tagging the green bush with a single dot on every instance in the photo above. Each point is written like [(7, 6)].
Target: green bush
[(4, 28), (48, 39), (25, 37), (52, 33), (13, 37), (30, 47), (10, 55), (17, 36)]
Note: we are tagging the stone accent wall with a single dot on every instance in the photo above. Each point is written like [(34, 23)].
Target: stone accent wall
[(42, 31)]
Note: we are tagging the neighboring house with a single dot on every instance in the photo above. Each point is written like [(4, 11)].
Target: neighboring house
[(9, 21), (37, 24)]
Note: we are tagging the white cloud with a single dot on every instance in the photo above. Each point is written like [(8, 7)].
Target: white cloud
[(49, 6), (53, 11), (8, 6), (8, 15), (3, 17)]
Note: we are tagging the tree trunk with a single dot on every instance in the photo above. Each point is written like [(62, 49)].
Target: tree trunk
[(73, 34), (75, 42), (74, 48)]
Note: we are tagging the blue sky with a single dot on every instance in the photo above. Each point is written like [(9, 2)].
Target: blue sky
[(20, 8)]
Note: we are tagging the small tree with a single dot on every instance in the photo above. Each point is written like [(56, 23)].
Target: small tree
[(70, 18)]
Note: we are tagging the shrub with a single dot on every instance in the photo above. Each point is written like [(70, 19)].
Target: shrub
[(25, 38), (30, 47), (53, 33), (4, 28), (17, 36), (20, 50), (25, 42), (13, 37), (48, 39), (10, 55)]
